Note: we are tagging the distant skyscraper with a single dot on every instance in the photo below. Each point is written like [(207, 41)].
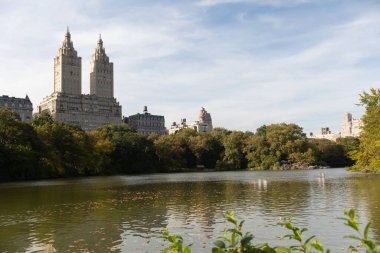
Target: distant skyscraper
[(67, 104)]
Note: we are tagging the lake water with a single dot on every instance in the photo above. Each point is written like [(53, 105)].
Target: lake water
[(129, 213)]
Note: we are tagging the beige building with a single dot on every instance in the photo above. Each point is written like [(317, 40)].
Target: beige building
[(204, 121), (68, 104), (203, 125), (23, 106), (351, 127)]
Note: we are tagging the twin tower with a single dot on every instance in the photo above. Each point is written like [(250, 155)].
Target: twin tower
[(67, 103), (68, 70)]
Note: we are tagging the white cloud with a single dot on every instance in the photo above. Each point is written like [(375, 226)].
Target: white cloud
[(259, 2), (177, 58)]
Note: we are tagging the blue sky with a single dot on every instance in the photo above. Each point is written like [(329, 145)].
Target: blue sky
[(248, 62)]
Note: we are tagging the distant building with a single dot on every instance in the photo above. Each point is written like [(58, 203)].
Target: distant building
[(68, 104), (351, 127), (23, 106), (147, 123), (204, 121), (325, 134), (183, 125), (203, 125)]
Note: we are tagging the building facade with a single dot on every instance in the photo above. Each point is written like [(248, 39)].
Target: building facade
[(204, 121), (67, 103), (351, 127), (147, 123), (23, 106), (202, 125)]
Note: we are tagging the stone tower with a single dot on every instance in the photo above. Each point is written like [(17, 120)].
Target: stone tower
[(67, 69), (101, 75)]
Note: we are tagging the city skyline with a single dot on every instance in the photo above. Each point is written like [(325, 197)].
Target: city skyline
[(248, 63)]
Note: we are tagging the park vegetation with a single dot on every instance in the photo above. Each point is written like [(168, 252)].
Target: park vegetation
[(235, 240), (50, 149), (367, 156)]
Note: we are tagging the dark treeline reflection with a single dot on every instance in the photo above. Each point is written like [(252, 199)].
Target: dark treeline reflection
[(127, 214)]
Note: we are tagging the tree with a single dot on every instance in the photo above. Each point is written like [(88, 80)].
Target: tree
[(174, 151), (367, 157), (234, 157), (329, 153), (350, 145), (68, 150), (207, 149), (131, 152), (19, 148), (277, 143)]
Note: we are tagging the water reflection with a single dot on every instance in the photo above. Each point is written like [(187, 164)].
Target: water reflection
[(128, 214)]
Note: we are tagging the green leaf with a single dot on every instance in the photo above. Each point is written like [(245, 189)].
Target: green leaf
[(187, 250), (220, 244), (241, 224), (366, 230), (246, 239), (232, 220), (351, 213), (370, 244), (235, 231), (309, 239), (353, 237), (282, 250), (268, 249), (317, 245), (217, 250), (289, 226)]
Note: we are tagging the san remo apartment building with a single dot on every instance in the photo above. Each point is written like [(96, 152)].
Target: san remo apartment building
[(68, 104)]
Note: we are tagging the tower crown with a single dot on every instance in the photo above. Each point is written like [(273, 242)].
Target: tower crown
[(67, 68), (100, 51), (101, 75)]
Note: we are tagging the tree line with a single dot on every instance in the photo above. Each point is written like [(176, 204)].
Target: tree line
[(50, 149)]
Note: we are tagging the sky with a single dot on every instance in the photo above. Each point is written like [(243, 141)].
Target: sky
[(248, 62)]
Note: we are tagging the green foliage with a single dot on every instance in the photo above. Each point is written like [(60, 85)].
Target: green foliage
[(49, 149), (130, 152), (234, 157), (20, 149), (370, 245), (330, 153), (176, 244), (303, 245), (235, 240), (277, 143), (207, 149), (367, 156), (175, 151)]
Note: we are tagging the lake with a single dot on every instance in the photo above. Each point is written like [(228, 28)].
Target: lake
[(129, 213)]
